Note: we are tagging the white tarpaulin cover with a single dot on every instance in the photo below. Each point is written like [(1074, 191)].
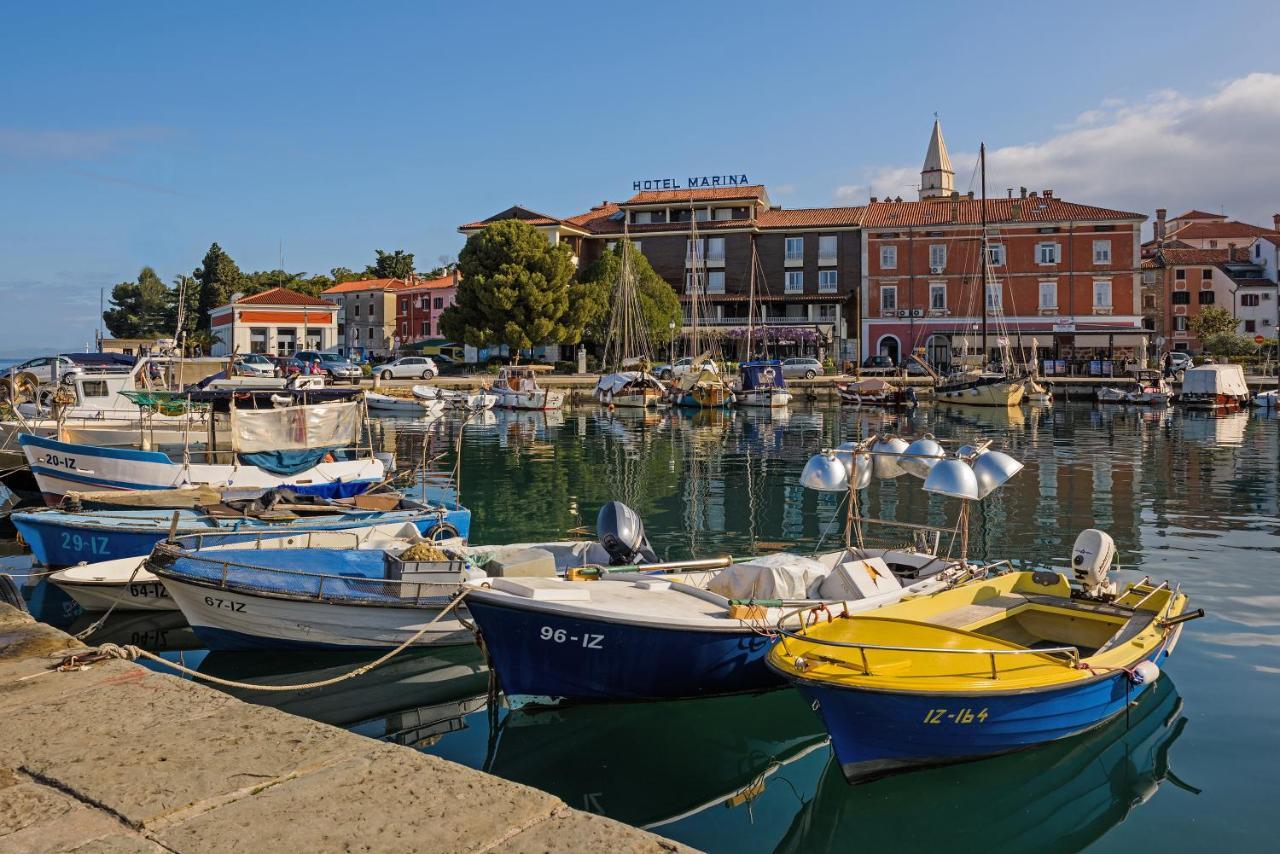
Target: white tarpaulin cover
[(614, 383), (1215, 379), (778, 576), (321, 425), (859, 579)]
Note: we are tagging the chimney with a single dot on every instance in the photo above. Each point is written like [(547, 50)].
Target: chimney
[(874, 200), (1023, 191), (1231, 252), (955, 205), (898, 199), (970, 195), (1010, 192), (1159, 225), (1031, 195), (1275, 221), (1048, 194), (1017, 211)]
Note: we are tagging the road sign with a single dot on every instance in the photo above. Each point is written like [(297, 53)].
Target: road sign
[(1258, 339)]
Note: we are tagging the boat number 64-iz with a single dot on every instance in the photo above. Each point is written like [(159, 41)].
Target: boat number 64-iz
[(226, 604), (561, 636)]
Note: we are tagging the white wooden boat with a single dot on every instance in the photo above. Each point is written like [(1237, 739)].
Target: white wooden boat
[(1267, 399), (517, 388), (761, 384), (985, 389), (412, 407), (1214, 387), (471, 401), (631, 389)]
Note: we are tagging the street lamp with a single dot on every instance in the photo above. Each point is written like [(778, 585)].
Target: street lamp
[(671, 347)]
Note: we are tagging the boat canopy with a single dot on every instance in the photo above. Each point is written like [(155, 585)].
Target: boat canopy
[(762, 374), (870, 386), (1215, 379), (614, 383)]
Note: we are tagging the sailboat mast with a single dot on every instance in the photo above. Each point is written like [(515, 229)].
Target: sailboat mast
[(982, 160), (751, 298)]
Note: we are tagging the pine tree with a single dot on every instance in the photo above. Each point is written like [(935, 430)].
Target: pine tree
[(217, 278)]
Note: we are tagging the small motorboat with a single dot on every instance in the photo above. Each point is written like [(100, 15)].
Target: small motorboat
[(1035, 392), (990, 667), (689, 632), (1153, 390), (630, 389), (471, 401), (1214, 387), (411, 407), (1111, 394), (65, 538), (517, 388), (761, 384), (1267, 399), (876, 392)]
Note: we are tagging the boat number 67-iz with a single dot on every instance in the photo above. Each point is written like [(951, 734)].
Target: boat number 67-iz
[(561, 636), (226, 604)]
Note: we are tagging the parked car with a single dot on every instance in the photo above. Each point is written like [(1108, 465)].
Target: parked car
[(256, 365), (802, 366), (408, 367), (449, 365), (42, 368), (286, 365), (682, 367), (331, 364), (912, 368), (878, 365), (1179, 361)]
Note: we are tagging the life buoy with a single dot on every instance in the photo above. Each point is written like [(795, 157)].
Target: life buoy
[(443, 531)]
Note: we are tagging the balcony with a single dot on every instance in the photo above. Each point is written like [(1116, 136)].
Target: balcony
[(802, 320)]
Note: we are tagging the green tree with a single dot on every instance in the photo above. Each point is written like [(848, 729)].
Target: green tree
[(1212, 321), (217, 278), (514, 290), (344, 274), (185, 293), (592, 296), (391, 265), (140, 309)]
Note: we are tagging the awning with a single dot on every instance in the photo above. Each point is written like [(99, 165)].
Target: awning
[(1129, 339)]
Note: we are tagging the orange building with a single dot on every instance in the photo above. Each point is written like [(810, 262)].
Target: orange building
[(278, 322)]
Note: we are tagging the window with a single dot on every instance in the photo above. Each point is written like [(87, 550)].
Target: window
[(995, 254), (1180, 274), (439, 303), (357, 309), (694, 251), (1046, 253), (1257, 250), (258, 339), (701, 214), (98, 388), (888, 297), (1181, 298), (635, 244), (827, 313), (994, 296), (827, 281), (722, 214), (1048, 294), (426, 329), (1102, 251), (1180, 323), (938, 296), (1102, 294), (888, 257), (715, 282), (715, 249), (1251, 326), (795, 249), (827, 248), (641, 217), (795, 282), (937, 255), (610, 245), (1148, 277), (1206, 275), (1148, 302), (1206, 297), (1248, 300)]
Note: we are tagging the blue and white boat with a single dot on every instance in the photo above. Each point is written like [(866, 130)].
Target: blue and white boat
[(762, 384), (61, 538)]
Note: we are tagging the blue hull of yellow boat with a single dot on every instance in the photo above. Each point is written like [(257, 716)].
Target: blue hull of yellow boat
[(539, 654), (875, 733)]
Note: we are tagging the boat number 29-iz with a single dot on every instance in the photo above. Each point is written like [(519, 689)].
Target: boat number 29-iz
[(561, 636), (959, 716)]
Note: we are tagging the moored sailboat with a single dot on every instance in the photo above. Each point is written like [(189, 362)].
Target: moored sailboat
[(627, 351)]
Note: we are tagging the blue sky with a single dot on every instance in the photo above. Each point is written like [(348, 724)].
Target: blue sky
[(137, 133)]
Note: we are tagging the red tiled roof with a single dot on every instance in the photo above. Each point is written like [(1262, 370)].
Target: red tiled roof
[(515, 212), (597, 220), (1184, 257), (367, 285), (283, 296), (804, 217), (999, 211), (428, 284), (1252, 282), (1195, 214), (1205, 230), (700, 194), (1151, 264)]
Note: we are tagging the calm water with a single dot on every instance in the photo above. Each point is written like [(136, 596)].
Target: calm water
[(1186, 497)]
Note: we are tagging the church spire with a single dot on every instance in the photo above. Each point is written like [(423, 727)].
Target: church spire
[(937, 178)]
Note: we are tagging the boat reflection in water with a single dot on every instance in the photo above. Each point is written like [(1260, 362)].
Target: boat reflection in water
[(648, 764), (154, 631), (1060, 797), (412, 699)]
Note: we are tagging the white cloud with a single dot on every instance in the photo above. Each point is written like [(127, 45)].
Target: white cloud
[(74, 144), (1169, 150)]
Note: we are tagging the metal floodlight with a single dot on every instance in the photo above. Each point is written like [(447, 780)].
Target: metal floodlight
[(992, 469), (921, 455), (862, 468), (886, 467), (825, 473), (953, 478)]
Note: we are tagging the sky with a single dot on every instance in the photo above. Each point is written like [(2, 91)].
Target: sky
[(139, 133)]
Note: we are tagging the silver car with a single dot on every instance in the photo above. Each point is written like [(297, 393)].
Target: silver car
[(802, 367), (408, 367), (256, 365)]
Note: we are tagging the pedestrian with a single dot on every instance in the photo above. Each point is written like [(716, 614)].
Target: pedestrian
[(1166, 365)]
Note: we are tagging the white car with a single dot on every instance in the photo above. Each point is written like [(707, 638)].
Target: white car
[(408, 367), (42, 368), (682, 367), (256, 365)]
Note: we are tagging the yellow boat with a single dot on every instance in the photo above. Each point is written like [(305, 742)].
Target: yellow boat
[(989, 667)]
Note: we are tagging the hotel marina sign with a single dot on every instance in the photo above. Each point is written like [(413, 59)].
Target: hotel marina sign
[(693, 183)]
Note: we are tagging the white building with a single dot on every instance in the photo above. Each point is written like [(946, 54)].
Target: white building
[(278, 322)]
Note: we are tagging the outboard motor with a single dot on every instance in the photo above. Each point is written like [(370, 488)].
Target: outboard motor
[(621, 532), (1091, 559)]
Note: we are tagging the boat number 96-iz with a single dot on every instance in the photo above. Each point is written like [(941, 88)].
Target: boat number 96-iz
[(561, 636), (226, 604), (959, 716)]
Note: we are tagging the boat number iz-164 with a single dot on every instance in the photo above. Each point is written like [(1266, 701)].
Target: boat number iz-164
[(561, 636), (959, 716)]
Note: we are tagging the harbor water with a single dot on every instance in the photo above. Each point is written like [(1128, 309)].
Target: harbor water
[(1188, 497)]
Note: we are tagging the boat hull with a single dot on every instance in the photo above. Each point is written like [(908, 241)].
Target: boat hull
[(705, 397), (535, 400), (775, 398), (140, 595), (236, 620), (875, 733), (600, 660), (1001, 393), (632, 400), (68, 539)]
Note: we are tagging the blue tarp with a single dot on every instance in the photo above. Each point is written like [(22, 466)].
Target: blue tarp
[(762, 374), (286, 463)]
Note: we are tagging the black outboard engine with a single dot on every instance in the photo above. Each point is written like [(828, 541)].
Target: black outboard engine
[(621, 532)]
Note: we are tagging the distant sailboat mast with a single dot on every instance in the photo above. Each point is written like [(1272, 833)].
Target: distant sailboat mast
[(982, 159)]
